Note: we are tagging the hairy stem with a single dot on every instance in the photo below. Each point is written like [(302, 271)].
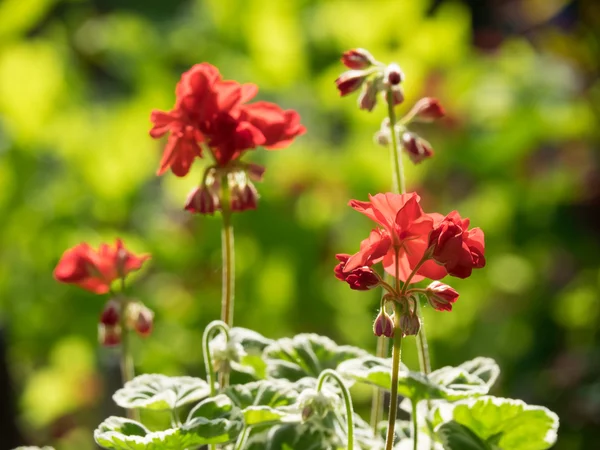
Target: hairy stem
[(208, 365), (347, 401), (378, 394), (396, 353), (396, 158), (415, 424), (228, 255), (127, 367), (242, 439)]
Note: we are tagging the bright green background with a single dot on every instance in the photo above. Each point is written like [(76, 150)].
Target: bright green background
[(517, 154)]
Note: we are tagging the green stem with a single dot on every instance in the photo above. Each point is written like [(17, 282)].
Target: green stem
[(206, 336), (422, 347), (242, 439), (396, 159), (396, 352), (175, 422), (415, 424), (228, 255), (127, 368), (378, 394), (347, 400)]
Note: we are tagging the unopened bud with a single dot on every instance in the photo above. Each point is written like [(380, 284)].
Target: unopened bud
[(393, 75), (441, 296), (368, 96), (201, 201), (243, 197), (313, 402), (410, 324), (255, 172), (109, 336), (350, 81), (358, 58), (144, 322), (111, 314), (383, 325), (416, 148), (397, 95), (426, 110)]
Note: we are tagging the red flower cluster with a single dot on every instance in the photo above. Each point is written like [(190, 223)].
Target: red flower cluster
[(359, 279), (96, 270), (211, 111), (411, 240)]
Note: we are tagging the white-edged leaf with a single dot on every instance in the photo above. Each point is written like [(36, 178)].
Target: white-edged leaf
[(505, 423), (160, 392)]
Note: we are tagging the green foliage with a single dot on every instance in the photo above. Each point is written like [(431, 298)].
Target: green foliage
[(159, 392), (489, 423)]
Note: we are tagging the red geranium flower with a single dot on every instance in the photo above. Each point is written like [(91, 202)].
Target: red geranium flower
[(359, 279), (405, 230), (456, 247), (212, 111), (96, 270)]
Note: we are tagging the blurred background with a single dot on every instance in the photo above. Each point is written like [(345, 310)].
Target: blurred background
[(518, 154)]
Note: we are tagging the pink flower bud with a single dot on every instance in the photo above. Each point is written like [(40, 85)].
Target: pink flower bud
[(441, 296), (109, 336), (426, 110), (144, 322), (201, 201), (416, 148), (111, 313), (410, 325), (358, 58), (243, 197), (393, 75), (383, 325), (359, 279), (368, 96), (397, 95), (255, 172), (350, 81)]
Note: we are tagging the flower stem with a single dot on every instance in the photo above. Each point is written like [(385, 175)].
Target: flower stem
[(415, 424), (396, 352), (210, 371), (396, 158), (378, 394), (347, 400), (228, 255), (127, 368), (242, 439)]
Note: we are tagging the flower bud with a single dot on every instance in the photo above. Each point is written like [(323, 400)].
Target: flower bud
[(382, 138), (397, 95), (255, 172), (201, 201), (416, 148), (350, 81), (441, 296), (144, 322), (358, 58), (383, 325), (111, 314), (368, 96), (360, 279), (319, 403), (109, 336), (393, 75), (243, 197), (426, 110), (410, 324)]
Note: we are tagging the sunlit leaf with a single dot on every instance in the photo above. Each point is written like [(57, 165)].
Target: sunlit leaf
[(160, 392), (455, 436), (252, 343), (222, 423), (501, 422), (306, 355), (448, 383), (266, 401)]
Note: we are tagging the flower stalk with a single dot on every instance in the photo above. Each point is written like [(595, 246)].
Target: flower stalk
[(228, 255), (347, 401), (396, 355), (206, 336)]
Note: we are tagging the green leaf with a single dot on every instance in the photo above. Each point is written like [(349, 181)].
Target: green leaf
[(266, 401), (455, 436), (222, 424), (505, 423), (252, 343), (160, 392), (448, 383), (306, 355)]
